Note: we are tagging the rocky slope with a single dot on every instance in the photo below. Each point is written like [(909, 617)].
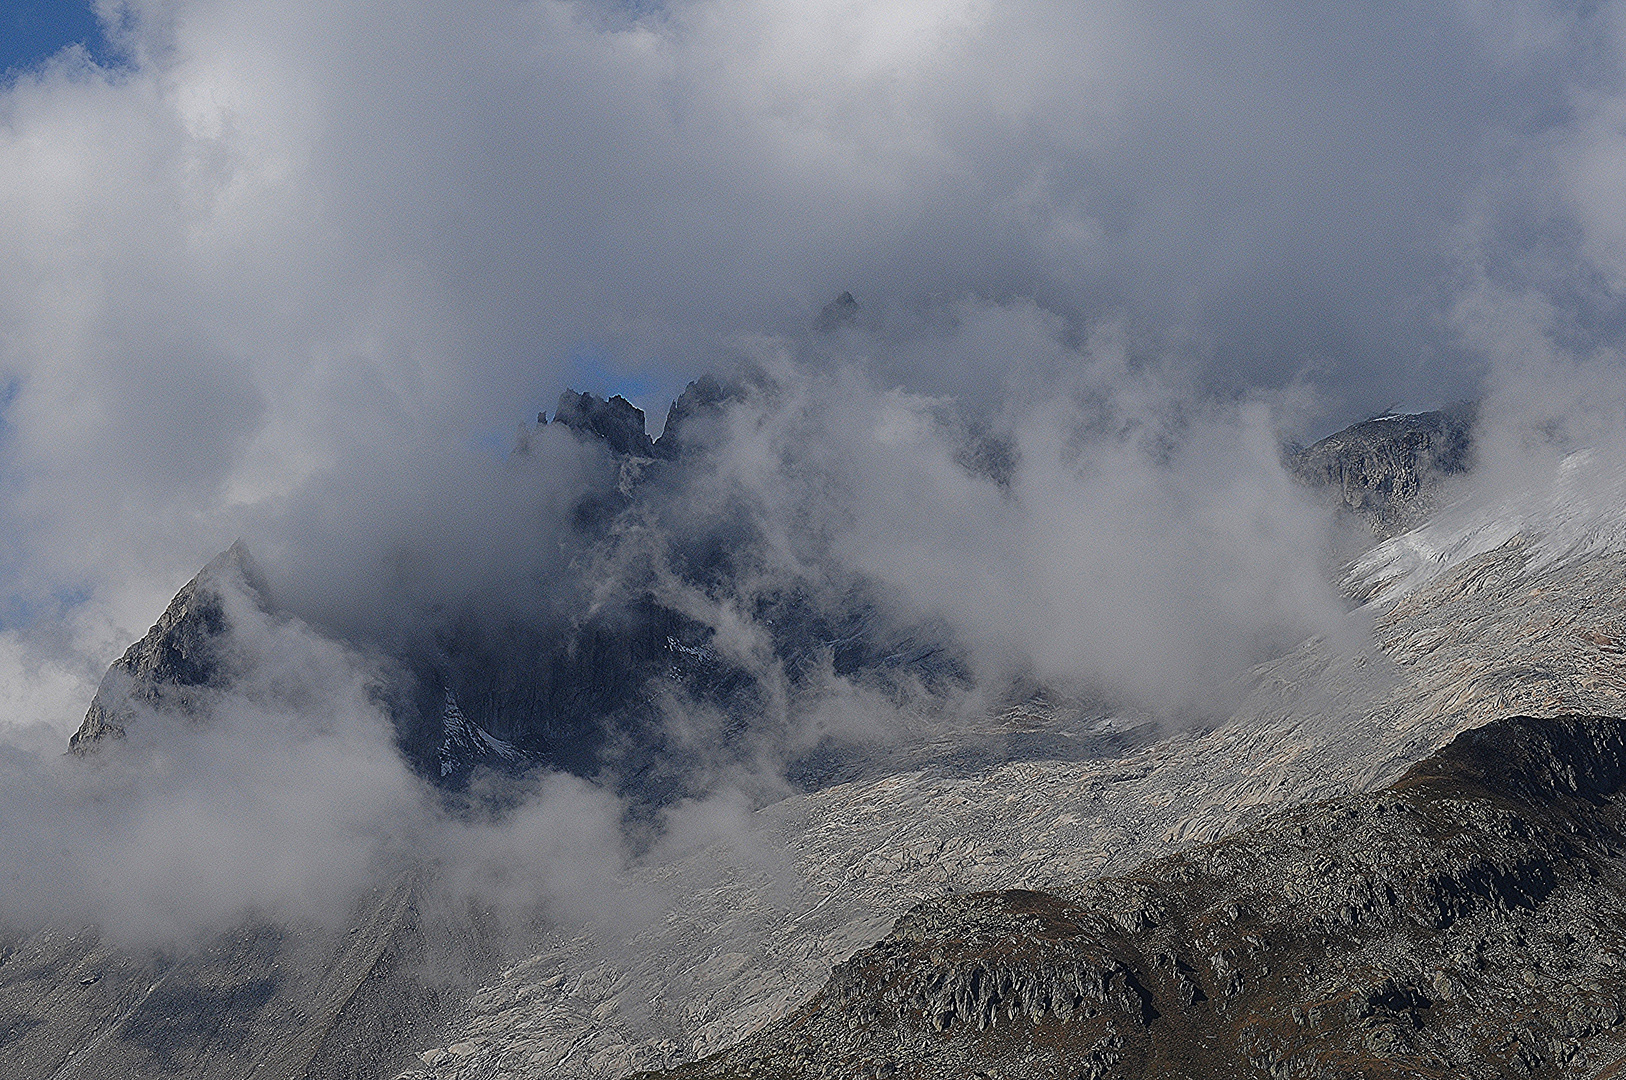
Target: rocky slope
[(265, 1000), (1388, 471), (1042, 797), (1468, 920), (753, 928)]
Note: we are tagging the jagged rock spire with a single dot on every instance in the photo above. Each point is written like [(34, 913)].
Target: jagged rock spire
[(179, 655), (617, 421)]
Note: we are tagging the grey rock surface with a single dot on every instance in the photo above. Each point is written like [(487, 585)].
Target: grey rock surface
[(692, 420), (754, 928), (1389, 470), (1468, 920), (465, 745)]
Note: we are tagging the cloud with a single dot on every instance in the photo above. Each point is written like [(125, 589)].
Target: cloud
[(1134, 538), (281, 792), (295, 269)]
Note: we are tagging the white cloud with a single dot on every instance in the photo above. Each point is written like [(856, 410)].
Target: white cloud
[(288, 273)]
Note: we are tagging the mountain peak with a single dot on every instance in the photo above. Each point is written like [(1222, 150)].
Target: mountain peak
[(617, 421), (842, 311), (179, 654), (1386, 469)]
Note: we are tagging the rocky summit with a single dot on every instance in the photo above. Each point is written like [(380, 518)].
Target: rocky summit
[(1397, 855), (1388, 471), (181, 655)]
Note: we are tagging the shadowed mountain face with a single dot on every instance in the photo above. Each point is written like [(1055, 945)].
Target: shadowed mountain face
[(594, 689), (1388, 470), (1469, 920), (589, 688), (617, 421)]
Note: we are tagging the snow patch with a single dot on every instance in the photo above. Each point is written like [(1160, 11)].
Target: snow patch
[(465, 741), (1581, 512)]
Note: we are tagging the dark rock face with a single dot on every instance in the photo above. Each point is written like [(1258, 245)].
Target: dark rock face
[(465, 745), (616, 421), (182, 653), (1387, 470), (990, 456), (1469, 921), (587, 692)]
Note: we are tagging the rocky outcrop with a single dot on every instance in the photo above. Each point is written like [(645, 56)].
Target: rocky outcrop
[(1388, 470), (692, 420), (189, 655), (1467, 921), (617, 421), (663, 563), (181, 655)]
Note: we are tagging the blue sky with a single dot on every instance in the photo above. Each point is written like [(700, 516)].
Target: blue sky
[(32, 30)]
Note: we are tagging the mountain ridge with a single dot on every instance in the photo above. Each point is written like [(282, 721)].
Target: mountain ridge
[(1100, 797)]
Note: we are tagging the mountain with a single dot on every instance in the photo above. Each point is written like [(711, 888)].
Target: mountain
[(589, 688), (585, 689), (617, 421), (1029, 833), (1478, 618), (1466, 920), (1388, 470)]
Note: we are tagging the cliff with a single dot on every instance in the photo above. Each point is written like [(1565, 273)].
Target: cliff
[(1389, 470)]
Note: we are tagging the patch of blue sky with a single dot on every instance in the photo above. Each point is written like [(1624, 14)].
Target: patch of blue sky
[(651, 387), (22, 606), (33, 31)]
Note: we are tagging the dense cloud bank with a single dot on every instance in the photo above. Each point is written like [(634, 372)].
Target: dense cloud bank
[(280, 795), (304, 273)]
